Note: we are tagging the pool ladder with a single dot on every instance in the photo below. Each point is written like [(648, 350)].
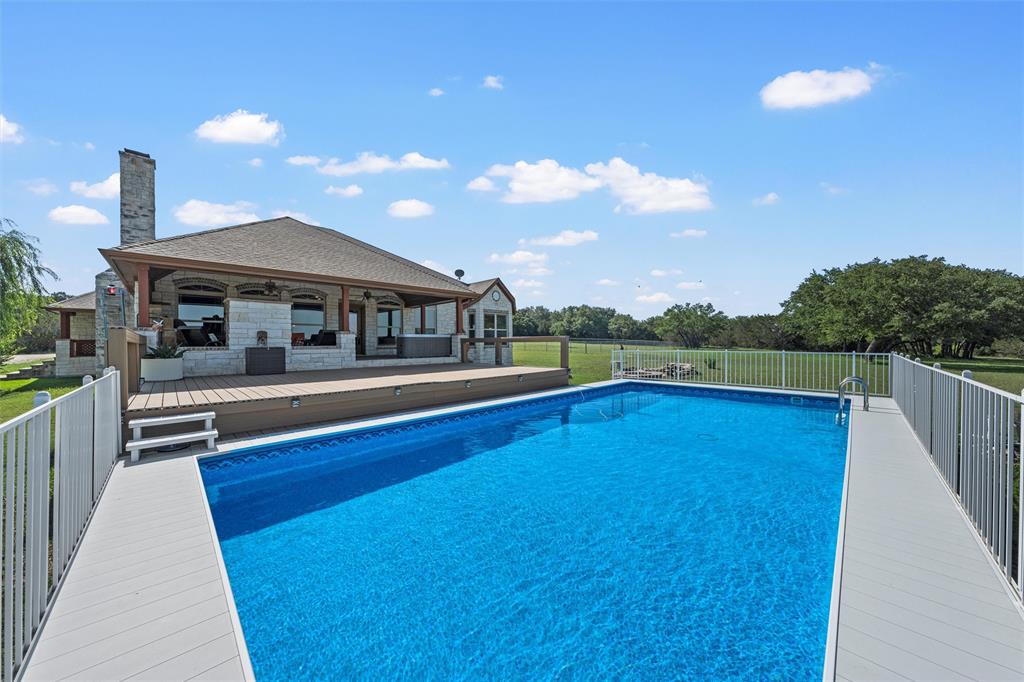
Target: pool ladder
[(842, 395)]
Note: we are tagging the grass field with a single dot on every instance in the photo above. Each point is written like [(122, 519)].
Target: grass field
[(16, 394), (592, 362)]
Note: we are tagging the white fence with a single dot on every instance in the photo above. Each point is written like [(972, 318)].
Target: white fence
[(972, 433), (805, 371), (56, 459)]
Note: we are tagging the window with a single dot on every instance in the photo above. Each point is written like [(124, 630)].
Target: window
[(307, 319), (197, 311), (431, 314), (472, 324), (495, 324), (389, 324)]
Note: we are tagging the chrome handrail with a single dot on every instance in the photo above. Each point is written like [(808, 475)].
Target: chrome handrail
[(842, 394)]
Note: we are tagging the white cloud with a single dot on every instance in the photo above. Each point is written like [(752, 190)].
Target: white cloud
[(105, 189), (563, 238), (494, 82), (537, 270), (198, 213), (434, 265), (528, 283), (369, 162), (649, 192), (349, 191), (303, 160), (435, 92), (690, 285), (542, 182), (241, 127), (255, 163), (769, 199), (689, 233), (605, 282), (520, 257), (665, 273), (10, 132), (410, 208), (798, 89), (41, 187), (656, 297), (89, 146), (833, 190), (77, 215), (481, 184), (298, 215)]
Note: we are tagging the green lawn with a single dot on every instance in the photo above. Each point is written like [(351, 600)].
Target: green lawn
[(16, 394), (14, 367), (592, 362), (1004, 373)]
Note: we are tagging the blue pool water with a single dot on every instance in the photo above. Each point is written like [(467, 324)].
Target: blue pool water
[(645, 532)]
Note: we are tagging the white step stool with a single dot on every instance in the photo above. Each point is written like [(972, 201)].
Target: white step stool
[(209, 434)]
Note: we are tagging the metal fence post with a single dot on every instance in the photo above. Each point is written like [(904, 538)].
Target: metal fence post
[(727, 366), (783, 368)]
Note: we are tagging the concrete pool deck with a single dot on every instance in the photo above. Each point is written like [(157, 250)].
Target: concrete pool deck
[(146, 596)]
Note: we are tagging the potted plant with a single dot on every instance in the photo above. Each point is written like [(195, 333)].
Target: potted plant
[(163, 363)]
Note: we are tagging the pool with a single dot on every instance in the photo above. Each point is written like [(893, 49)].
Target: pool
[(634, 531)]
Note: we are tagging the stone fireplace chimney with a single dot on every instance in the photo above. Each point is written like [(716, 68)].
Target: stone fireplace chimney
[(138, 200)]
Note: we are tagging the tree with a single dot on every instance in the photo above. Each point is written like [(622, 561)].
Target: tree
[(916, 304), (623, 326), (532, 321), (21, 282), (583, 322), (690, 324)]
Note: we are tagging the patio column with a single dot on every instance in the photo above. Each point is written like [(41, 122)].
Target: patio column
[(423, 318), (459, 327), (344, 310), (65, 324), (143, 280)]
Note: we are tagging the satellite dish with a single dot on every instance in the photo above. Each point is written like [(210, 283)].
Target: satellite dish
[(459, 273)]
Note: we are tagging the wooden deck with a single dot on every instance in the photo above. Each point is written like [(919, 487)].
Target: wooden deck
[(251, 403)]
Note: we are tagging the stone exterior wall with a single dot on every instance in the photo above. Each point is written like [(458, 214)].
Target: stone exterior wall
[(67, 366), (138, 198), (111, 311), (213, 362), (83, 325), (479, 352)]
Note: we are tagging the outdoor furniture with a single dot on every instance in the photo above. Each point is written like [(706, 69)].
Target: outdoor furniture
[(264, 360), (138, 443), (298, 339)]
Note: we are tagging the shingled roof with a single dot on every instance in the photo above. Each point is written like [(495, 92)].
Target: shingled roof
[(287, 245), (86, 301)]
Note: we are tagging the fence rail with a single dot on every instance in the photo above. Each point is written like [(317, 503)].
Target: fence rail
[(973, 434), (805, 371), (56, 459)]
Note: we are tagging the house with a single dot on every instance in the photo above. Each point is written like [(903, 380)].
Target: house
[(330, 300)]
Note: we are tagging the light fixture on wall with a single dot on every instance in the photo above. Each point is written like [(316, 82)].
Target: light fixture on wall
[(398, 390), (367, 295)]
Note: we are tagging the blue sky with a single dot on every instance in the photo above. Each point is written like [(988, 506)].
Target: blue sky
[(784, 137)]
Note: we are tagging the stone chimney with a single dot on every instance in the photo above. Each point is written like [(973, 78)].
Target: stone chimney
[(138, 200)]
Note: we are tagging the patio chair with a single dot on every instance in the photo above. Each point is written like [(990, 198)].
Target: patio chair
[(327, 339)]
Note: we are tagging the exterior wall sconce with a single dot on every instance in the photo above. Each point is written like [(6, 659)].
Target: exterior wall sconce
[(296, 402), (468, 383), (520, 379), (398, 390)]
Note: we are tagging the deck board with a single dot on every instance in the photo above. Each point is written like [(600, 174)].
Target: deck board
[(918, 599)]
